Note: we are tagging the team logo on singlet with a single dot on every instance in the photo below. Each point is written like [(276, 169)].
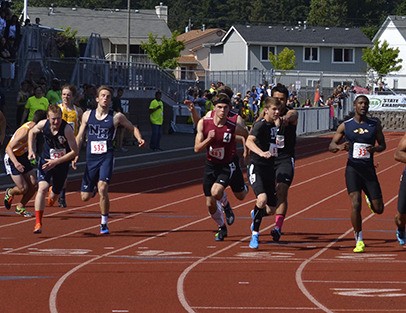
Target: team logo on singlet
[(361, 131), (61, 140), (99, 132)]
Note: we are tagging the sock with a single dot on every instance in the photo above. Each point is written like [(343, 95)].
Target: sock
[(104, 218), (38, 216), (224, 199), (258, 214), (218, 216), (358, 236), (62, 194), (279, 218)]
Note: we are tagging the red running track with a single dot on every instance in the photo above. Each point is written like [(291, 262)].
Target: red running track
[(161, 255)]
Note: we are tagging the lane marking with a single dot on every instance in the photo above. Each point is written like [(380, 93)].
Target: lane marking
[(368, 292)]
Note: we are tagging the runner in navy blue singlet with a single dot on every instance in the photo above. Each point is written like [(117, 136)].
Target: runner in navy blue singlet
[(363, 137), (400, 218), (100, 126)]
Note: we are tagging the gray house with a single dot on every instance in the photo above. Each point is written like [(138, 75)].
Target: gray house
[(110, 24), (328, 55)]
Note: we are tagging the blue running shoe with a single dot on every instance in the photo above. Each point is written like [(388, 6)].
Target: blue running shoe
[(104, 229), (400, 235), (221, 234), (254, 243), (276, 234)]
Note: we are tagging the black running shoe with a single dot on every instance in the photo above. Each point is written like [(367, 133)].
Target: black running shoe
[(221, 234), (229, 214), (62, 202)]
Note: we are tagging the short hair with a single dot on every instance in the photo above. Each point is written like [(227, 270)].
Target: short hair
[(104, 87), (39, 115), (72, 88), (361, 96), (280, 88), (221, 98), (54, 108), (225, 89)]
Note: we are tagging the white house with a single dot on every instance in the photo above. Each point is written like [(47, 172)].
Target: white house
[(393, 30)]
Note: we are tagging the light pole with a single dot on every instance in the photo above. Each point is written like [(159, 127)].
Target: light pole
[(128, 30)]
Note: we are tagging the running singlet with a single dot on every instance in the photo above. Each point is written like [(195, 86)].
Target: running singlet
[(360, 136), (221, 149), (55, 146), (265, 134), (22, 146), (100, 134), (289, 132), (71, 117)]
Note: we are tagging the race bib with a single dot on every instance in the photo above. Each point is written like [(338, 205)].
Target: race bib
[(360, 151), (56, 153), (273, 148), (217, 153), (98, 147)]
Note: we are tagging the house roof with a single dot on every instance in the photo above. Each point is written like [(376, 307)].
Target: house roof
[(289, 36), (197, 34), (398, 21), (108, 23), (187, 59)]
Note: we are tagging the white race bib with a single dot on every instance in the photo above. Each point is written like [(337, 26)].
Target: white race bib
[(56, 153), (98, 147), (217, 153), (360, 151)]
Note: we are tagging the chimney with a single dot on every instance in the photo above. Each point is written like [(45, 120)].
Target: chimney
[(162, 12)]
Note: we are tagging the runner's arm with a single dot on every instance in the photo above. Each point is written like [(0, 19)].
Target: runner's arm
[(400, 153)]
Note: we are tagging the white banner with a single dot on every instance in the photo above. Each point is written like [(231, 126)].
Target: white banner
[(387, 102)]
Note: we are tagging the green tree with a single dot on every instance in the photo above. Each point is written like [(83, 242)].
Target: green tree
[(165, 53), (327, 13), (284, 61), (382, 59)]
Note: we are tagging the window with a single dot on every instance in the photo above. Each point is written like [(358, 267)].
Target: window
[(265, 52), (343, 55), (311, 54), (312, 82)]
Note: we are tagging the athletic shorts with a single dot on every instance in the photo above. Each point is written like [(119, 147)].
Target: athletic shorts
[(97, 169), (284, 170), (262, 180), (225, 174), (11, 169), (363, 178), (402, 194), (55, 176)]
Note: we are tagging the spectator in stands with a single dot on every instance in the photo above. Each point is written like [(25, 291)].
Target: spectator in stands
[(13, 30), (88, 102), (34, 103), (23, 94), (54, 94), (7, 63), (43, 83), (307, 104), (3, 22), (156, 117), (37, 21), (3, 125)]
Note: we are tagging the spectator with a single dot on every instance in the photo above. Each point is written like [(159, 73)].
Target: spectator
[(13, 30), (23, 94), (120, 131), (34, 103), (156, 116), (307, 104), (54, 94)]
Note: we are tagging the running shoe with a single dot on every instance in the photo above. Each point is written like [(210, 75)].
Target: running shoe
[(221, 234), (8, 199), (62, 202), (104, 229), (401, 236), (229, 214), (369, 204), (50, 201), (276, 234), (359, 247), (38, 228), (23, 212), (254, 243)]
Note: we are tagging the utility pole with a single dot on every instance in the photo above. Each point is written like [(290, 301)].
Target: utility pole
[(128, 31)]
